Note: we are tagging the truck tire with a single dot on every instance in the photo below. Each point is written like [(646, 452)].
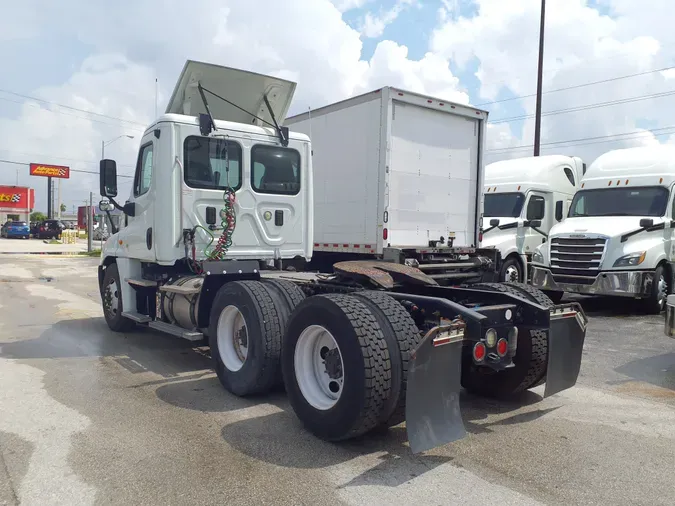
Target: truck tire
[(656, 302), (533, 294), (529, 363), (336, 366), (511, 270), (402, 336), (245, 338), (286, 296), (111, 299)]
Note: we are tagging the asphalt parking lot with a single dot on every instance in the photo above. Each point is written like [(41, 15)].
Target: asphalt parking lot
[(89, 416)]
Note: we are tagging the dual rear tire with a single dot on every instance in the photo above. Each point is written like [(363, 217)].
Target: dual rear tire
[(343, 358)]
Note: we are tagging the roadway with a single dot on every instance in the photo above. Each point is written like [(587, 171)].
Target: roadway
[(88, 416)]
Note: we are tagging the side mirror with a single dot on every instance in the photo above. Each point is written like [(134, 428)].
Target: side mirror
[(646, 222), (494, 222), (559, 210), (108, 178), (534, 223), (104, 205)]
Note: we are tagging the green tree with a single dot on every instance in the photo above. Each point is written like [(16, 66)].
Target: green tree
[(63, 208), (37, 216)]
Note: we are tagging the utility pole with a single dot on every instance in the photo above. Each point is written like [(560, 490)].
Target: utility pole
[(49, 198), (540, 69), (90, 228)]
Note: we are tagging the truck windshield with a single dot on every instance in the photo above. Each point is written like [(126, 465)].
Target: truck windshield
[(212, 163), (638, 201), (503, 205)]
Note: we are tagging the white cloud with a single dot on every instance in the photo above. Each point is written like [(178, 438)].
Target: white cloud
[(307, 41), (582, 45), (347, 5), (373, 25)]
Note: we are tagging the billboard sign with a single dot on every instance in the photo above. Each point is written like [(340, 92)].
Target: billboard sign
[(16, 197), (41, 169)]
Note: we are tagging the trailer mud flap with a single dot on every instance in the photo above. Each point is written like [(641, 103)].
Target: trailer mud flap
[(566, 335), (433, 416)]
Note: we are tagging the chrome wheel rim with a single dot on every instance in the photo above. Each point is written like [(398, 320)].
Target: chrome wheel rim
[(232, 337)]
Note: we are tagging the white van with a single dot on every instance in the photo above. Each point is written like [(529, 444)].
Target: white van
[(617, 238), (523, 199)]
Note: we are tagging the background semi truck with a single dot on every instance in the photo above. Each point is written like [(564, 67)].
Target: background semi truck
[(524, 198), (398, 175), (618, 237), (222, 197)]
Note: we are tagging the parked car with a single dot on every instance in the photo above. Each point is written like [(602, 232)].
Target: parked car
[(34, 228), (16, 229), (50, 229)]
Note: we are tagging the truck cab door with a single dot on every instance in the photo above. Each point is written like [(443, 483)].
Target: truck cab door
[(138, 235), (538, 206)]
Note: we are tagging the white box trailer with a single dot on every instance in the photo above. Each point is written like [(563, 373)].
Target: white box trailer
[(397, 174)]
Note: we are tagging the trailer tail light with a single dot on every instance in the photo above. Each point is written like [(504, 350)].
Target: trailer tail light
[(502, 347), (480, 236), (479, 352), (385, 234)]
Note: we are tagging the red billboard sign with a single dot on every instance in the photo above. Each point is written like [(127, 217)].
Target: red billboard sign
[(16, 197), (41, 169)]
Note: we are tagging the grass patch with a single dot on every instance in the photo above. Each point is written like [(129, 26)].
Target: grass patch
[(93, 253), (54, 241)]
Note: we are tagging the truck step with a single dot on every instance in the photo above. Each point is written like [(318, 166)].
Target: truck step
[(137, 317), (190, 335), (141, 282), (183, 290)]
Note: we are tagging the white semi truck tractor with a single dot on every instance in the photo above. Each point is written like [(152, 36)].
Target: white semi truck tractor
[(523, 199), (617, 239), (222, 197)]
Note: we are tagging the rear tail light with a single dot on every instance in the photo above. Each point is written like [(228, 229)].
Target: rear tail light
[(513, 340), (480, 236), (479, 352), (385, 234), (502, 347)]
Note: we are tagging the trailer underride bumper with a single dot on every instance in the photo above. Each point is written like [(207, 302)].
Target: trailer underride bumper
[(433, 416)]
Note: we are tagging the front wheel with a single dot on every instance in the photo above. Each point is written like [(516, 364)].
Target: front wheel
[(511, 271), (111, 295), (656, 302)]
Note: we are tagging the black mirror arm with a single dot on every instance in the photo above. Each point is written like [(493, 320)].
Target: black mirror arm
[(654, 228), (490, 228), (540, 232), (112, 225), (117, 206)]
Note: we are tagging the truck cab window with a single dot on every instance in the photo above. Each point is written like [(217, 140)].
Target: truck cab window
[(503, 205), (275, 170), (143, 177), (212, 163), (536, 207), (570, 175)]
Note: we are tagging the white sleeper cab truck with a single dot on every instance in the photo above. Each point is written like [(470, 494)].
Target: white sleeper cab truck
[(618, 236), (222, 196), (523, 199), (398, 176)]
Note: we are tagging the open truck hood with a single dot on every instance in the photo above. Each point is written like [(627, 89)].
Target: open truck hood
[(245, 89)]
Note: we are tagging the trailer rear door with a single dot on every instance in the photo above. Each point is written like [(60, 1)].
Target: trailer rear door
[(434, 176)]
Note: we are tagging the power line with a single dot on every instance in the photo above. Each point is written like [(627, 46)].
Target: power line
[(576, 86), (71, 170), (71, 107), (593, 140), (611, 136), (42, 155), (71, 115), (596, 105)]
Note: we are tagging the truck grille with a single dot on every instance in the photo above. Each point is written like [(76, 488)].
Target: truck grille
[(577, 256)]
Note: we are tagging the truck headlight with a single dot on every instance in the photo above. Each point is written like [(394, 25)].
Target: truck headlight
[(631, 260), (537, 257)]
